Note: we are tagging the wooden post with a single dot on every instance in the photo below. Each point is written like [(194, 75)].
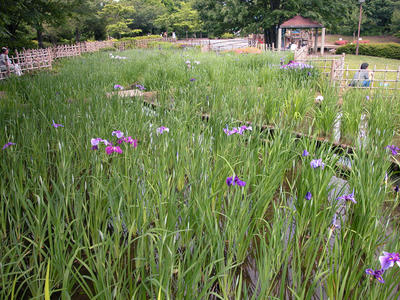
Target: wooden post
[(49, 57), (384, 76), (316, 41), (373, 77), (397, 77), (333, 71), (279, 39), (323, 41)]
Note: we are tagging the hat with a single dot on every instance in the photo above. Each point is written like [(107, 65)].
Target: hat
[(4, 49)]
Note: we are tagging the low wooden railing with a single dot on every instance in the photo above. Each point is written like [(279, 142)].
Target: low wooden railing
[(34, 59)]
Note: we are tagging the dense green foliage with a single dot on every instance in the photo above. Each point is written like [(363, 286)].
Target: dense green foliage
[(159, 221), (264, 16), (388, 50), (64, 21)]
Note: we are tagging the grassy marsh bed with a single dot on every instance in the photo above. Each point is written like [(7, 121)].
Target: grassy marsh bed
[(159, 220)]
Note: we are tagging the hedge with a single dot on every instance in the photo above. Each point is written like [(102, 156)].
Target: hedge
[(388, 50)]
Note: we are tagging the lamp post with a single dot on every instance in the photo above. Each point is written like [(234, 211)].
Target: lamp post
[(359, 25)]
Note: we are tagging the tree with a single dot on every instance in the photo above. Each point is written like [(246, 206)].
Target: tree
[(146, 12), (117, 16), (184, 19), (378, 15), (267, 15), (45, 11)]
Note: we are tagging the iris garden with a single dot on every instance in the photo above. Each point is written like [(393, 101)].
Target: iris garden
[(125, 198)]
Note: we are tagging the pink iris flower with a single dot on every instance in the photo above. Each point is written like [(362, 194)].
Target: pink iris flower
[(131, 141), (111, 149)]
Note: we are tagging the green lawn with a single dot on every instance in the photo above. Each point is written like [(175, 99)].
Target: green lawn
[(331, 38), (375, 63), (354, 61)]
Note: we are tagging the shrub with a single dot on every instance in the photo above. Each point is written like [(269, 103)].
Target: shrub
[(361, 42), (143, 37), (388, 50), (163, 45), (227, 35), (342, 42)]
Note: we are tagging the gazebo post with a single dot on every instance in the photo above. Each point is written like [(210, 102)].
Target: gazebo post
[(323, 41), (316, 41), (279, 39)]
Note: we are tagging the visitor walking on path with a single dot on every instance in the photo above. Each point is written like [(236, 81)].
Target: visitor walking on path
[(6, 64), (362, 77)]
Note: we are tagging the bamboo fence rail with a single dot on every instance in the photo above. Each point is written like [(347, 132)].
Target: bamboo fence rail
[(34, 59)]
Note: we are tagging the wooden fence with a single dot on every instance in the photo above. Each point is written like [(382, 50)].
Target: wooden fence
[(334, 67), (331, 66), (34, 59), (386, 78)]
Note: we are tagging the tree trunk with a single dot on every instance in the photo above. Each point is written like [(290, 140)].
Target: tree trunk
[(39, 35), (77, 35), (270, 36)]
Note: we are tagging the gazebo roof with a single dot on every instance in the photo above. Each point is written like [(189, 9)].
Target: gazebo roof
[(300, 22)]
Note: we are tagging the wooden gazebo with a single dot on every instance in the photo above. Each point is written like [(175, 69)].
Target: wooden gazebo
[(298, 22)]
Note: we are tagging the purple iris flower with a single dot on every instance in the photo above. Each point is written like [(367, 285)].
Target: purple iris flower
[(111, 149), (160, 130), (118, 134), (192, 79), (296, 65), (234, 130), (377, 274), (243, 128), (393, 148), (131, 141), (388, 259), (335, 224), (140, 87), (349, 197), (8, 145), (95, 143), (55, 125), (367, 97), (239, 130), (118, 87), (315, 163), (396, 188), (106, 143), (308, 196), (233, 181), (305, 153)]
